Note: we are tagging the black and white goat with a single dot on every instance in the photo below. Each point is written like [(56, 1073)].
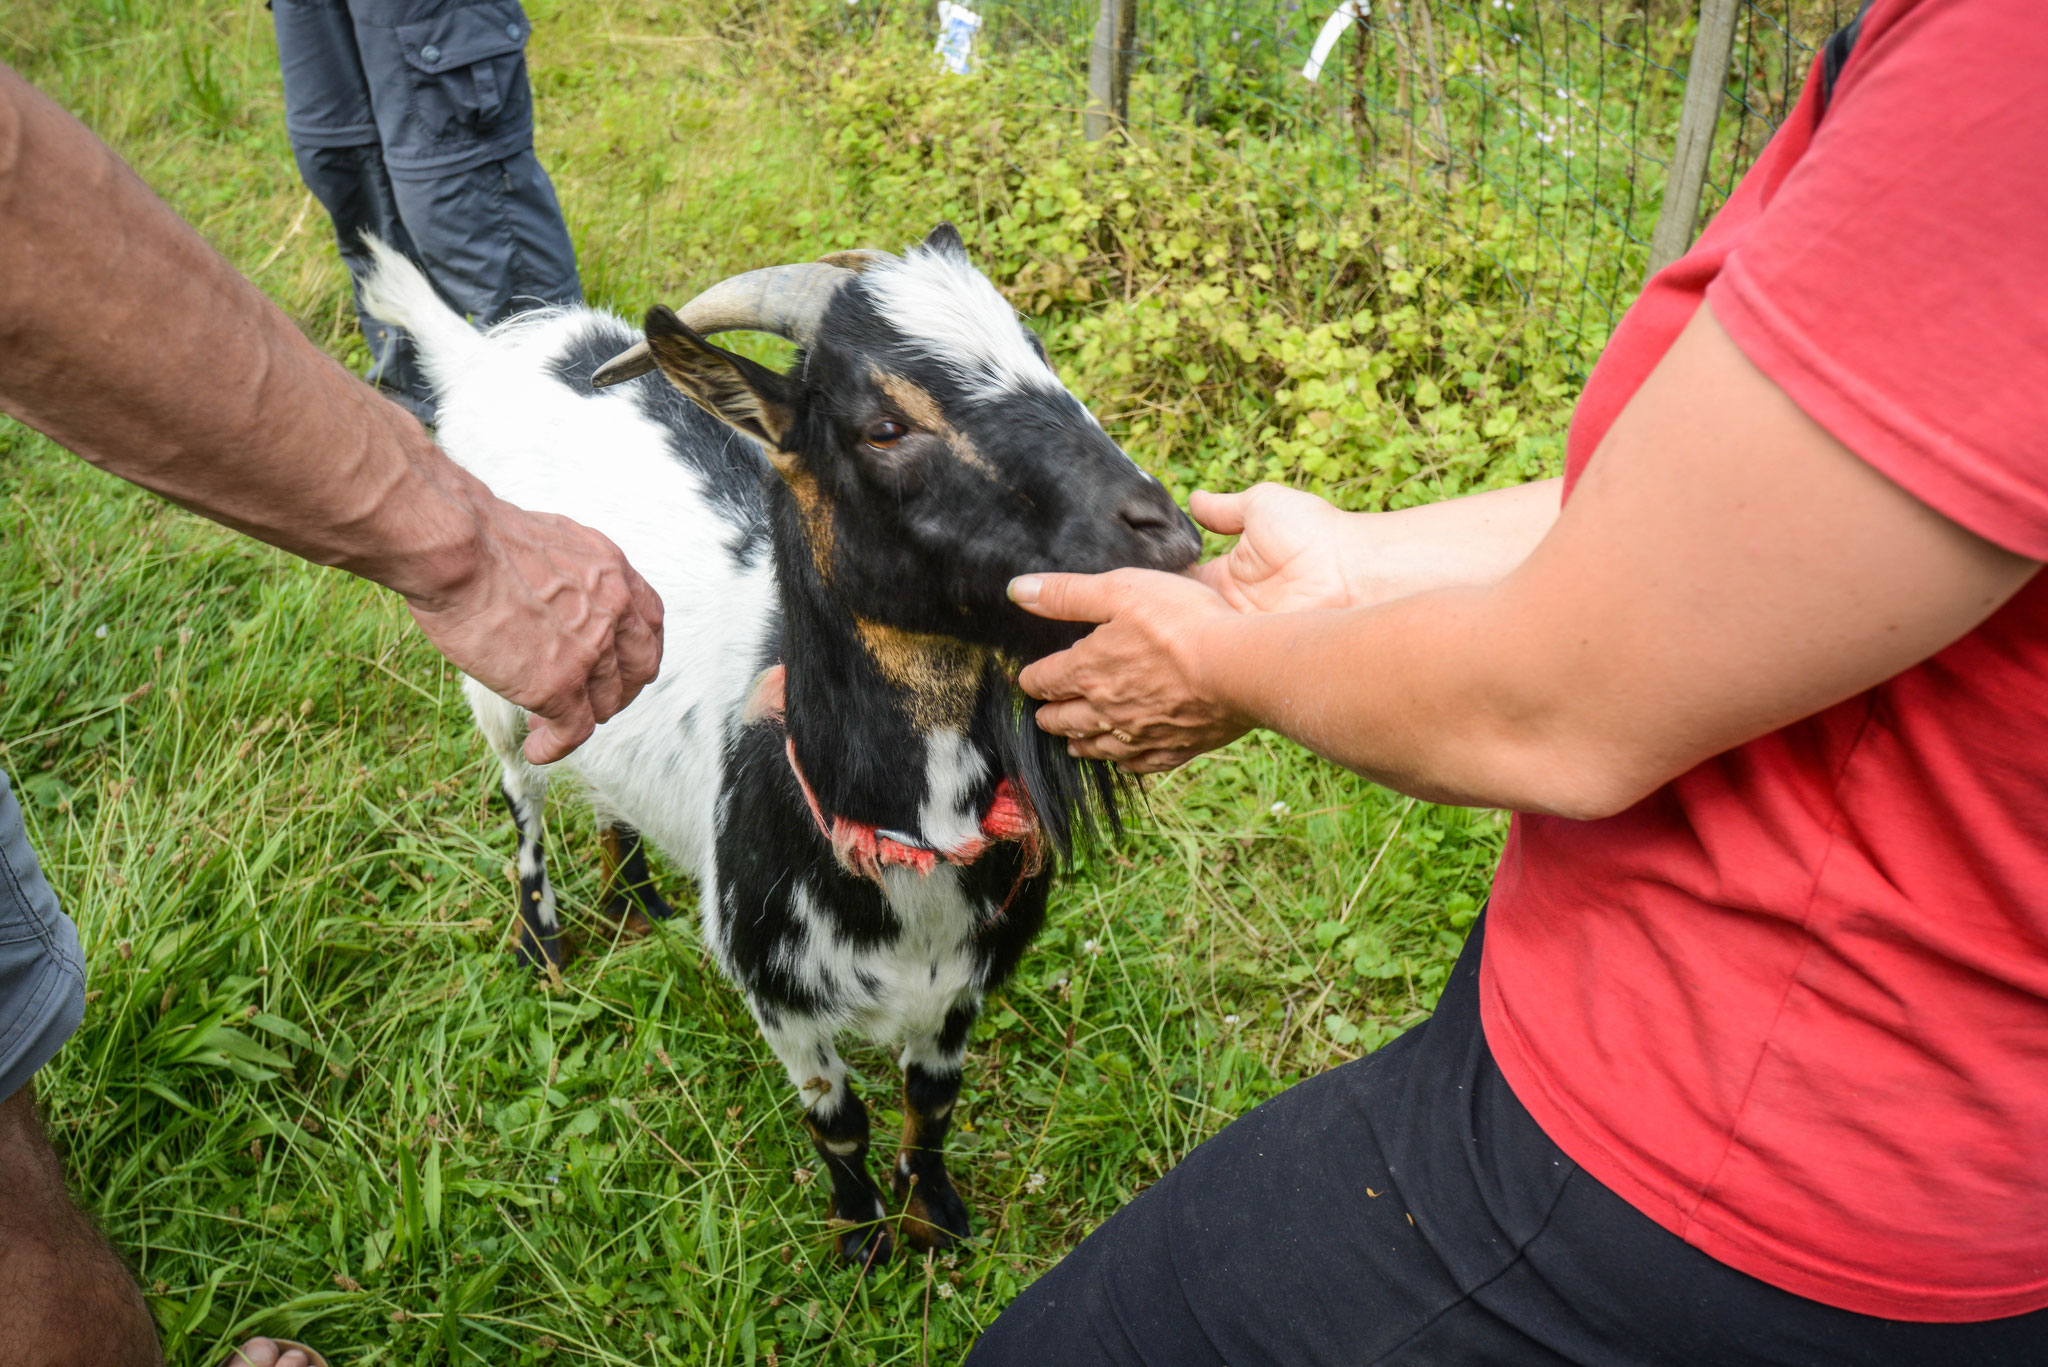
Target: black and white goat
[(835, 749)]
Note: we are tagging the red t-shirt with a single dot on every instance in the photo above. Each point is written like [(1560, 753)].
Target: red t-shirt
[(1794, 1005)]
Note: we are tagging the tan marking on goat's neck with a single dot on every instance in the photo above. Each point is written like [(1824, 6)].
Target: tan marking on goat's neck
[(941, 675), (921, 408)]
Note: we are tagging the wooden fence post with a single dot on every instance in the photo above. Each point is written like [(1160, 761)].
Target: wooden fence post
[(1109, 68), (1706, 82)]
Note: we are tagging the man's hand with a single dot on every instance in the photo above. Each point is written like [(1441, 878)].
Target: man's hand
[(1132, 690), (552, 619), (1289, 556)]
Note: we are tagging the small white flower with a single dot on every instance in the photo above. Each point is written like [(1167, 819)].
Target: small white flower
[(1280, 809), (1091, 948), (1230, 1020), (101, 634), (945, 1291), (1035, 1183)]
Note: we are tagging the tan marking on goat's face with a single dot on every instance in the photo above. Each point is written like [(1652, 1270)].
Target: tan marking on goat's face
[(941, 675), (814, 511), (917, 404)]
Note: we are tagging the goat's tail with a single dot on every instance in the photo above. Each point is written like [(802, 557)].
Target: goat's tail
[(397, 292)]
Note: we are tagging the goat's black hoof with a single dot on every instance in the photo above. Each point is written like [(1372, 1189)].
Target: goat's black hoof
[(540, 954), (866, 1247), (934, 1217), (634, 920)]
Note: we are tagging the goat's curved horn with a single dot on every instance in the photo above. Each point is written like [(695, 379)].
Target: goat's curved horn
[(788, 301), (630, 364), (857, 259)]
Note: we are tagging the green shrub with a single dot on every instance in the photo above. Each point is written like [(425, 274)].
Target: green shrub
[(1226, 322)]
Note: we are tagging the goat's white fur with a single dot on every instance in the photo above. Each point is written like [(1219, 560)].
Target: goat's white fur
[(949, 311)]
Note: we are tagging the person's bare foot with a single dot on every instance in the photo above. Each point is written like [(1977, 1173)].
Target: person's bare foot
[(274, 1353)]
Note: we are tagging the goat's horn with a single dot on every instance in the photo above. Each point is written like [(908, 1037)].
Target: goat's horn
[(788, 301), (630, 364), (857, 259)]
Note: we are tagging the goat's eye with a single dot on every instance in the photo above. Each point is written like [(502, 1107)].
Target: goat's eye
[(884, 435)]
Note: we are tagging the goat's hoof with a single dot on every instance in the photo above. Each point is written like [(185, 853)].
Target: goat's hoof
[(934, 1216), (545, 956), (632, 919), (866, 1247)]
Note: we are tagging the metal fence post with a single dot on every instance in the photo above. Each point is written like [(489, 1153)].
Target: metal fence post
[(1706, 81), (1109, 68)]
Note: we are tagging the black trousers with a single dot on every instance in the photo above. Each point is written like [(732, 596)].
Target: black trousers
[(1405, 1209), (413, 119)]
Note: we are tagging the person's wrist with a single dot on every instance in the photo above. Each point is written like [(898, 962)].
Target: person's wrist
[(1210, 652), (447, 539), (1389, 555)]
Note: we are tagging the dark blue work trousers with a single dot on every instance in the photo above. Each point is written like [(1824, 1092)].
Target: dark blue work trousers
[(413, 119)]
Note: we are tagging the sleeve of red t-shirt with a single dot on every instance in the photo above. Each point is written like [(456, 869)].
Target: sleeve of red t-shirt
[(1896, 286)]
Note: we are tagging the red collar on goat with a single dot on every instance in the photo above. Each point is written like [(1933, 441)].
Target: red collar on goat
[(865, 850)]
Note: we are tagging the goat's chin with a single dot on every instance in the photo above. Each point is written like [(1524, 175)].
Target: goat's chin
[(1039, 637), (1030, 638)]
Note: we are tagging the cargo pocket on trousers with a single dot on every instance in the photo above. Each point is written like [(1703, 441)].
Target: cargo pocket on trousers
[(467, 72)]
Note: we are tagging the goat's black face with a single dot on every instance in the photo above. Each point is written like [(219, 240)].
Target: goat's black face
[(935, 455)]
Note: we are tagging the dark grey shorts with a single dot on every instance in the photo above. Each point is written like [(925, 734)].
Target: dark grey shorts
[(42, 972)]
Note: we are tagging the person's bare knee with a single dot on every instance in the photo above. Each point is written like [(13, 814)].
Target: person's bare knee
[(66, 1299)]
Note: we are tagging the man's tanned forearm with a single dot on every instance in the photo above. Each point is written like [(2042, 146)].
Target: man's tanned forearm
[(193, 384), (126, 338)]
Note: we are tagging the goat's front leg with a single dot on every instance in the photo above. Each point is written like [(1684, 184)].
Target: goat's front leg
[(540, 927), (632, 902), (837, 1121), (934, 1216)]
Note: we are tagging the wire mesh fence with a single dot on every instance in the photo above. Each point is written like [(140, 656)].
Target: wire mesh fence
[(1563, 112)]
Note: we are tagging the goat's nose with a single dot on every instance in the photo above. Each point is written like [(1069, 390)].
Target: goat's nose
[(1146, 514), (1169, 539)]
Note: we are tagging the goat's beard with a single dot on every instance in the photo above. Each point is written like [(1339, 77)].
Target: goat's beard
[(1078, 801)]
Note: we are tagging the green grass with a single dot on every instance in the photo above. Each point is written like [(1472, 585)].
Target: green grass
[(312, 1096)]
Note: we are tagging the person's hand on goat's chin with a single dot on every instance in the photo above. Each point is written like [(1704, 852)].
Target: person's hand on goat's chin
[(1132, 691)]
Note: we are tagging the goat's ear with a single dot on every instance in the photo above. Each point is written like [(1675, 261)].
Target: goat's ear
[(733, 389), (945, 238)]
